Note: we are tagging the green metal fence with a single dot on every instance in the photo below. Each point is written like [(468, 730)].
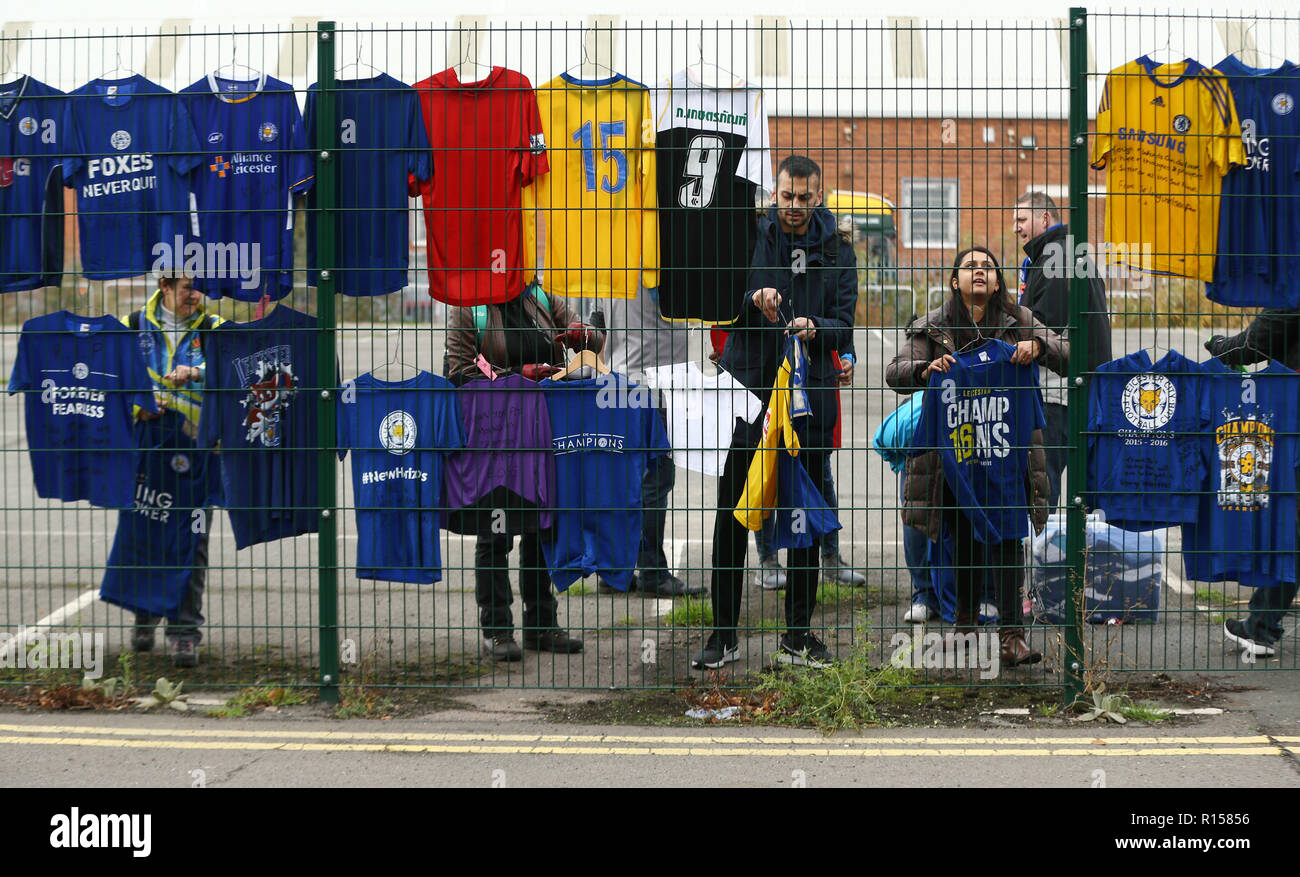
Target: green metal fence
[(927, 134)]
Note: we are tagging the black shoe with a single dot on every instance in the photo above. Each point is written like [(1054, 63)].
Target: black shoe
[(502, 647), (804, 651), (671, 586), (142, 637), (185, 653), (1234, 630), (716, 654), (604, 588), (551, 639)]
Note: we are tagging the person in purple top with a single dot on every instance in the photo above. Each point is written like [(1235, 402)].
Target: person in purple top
[(503, 483)]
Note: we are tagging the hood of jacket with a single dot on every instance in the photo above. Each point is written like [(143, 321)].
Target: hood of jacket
[(821, 228), (1035, 246)]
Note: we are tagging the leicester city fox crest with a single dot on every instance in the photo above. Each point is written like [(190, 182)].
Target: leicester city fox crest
[(1149, 401)]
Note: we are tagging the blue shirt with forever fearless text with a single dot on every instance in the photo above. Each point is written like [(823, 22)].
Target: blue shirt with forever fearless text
[(130, 145), (398, 433), (1145, 465), (81, 376), (259, 403), (604, 433), (1246, 525), (981, 415)]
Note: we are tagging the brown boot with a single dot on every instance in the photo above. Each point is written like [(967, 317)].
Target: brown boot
[(1015, 650)]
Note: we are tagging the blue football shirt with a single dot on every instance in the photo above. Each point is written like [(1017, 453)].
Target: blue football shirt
[(81, 377), (1145, 466), (130, 146), (1258, 261), (255, 161), (604, 433), (981, 415), (398, 434), (1245, 529), (152, 558), (31, 191), (259, 403), (381, 144)]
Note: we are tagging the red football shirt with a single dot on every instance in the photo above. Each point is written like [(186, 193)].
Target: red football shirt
[(487, 145)]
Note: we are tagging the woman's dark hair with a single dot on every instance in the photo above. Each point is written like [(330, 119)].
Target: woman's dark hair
[(999, 300)]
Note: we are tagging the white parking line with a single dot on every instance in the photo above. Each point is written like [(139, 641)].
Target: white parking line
[(19, 640)]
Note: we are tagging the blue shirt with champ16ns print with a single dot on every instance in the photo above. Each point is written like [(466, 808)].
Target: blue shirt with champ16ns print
[(981, 415), (398, 433), (81, 377), (259, 404)]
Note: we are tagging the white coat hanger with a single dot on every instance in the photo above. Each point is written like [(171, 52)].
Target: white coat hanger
[(711, 75), (118, 72), (8, 75), (236, 72), (1165, 53), (357, 69), (396, 369), (1259, 59), (589, 67), (468, 68)]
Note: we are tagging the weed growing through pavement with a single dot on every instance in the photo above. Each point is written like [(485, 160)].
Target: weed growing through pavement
[(689, 613)]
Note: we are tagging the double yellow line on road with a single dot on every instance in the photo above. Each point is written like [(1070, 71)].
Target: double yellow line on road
[(749, 745)]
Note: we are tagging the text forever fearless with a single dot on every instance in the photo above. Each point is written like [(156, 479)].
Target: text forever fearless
[(977, 427), (56, 397)]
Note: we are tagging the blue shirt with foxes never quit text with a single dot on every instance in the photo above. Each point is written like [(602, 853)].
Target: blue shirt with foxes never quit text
[(81, 377), (130, 146), (31, 197), (1258, 261), (604, 433), (1145, 466), (1245, 530), (980, 415), (398, 433), (255, 160)]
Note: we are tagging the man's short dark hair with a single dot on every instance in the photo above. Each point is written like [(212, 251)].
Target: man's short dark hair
[(800, 166), (1040, 202)]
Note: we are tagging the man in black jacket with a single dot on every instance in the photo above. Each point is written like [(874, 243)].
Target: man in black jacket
[(802, 282), (1271, 335), (1045, 289)]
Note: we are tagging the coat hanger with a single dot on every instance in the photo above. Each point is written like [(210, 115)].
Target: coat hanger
[(118, 72), (235, 70), (711, 75), (1247, 39), (5, 70), (1165, 54), (582, 359), (356, 68), (588, 68), (396, 359), (468, 68)]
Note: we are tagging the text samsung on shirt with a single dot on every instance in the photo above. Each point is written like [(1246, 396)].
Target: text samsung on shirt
[(116, 165)]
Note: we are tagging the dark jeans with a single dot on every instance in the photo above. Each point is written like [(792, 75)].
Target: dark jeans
[(657, 483), (764, 538), (1054, 445), (731, 540), (190, 614), (1267, 608), (980, 567), (492, 584)]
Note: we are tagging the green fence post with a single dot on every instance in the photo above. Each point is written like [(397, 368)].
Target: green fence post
[(1075, 534), (327, 541)]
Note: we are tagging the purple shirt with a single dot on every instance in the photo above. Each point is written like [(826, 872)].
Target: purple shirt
[(507, 444)]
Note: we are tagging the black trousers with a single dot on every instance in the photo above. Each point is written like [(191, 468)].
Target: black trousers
[(731, 540), (997, 567), (492, 584)]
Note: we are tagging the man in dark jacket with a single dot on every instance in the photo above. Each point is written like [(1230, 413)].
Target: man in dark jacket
[(802, 282), (1271, 335), (1045, 289)]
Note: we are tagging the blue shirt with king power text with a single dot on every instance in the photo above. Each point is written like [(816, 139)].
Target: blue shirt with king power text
[(130, 146), (398, 433), (259, 403), (81, 377), (1145, 466), (1258, 261), (981, 415), (31, 194), (1245, 529), (604, 433), (381, 142), (255, 159)]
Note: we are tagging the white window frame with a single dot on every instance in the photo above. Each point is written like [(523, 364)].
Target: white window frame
[(951, 194)]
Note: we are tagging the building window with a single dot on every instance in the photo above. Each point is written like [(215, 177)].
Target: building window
[(928, 214)]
